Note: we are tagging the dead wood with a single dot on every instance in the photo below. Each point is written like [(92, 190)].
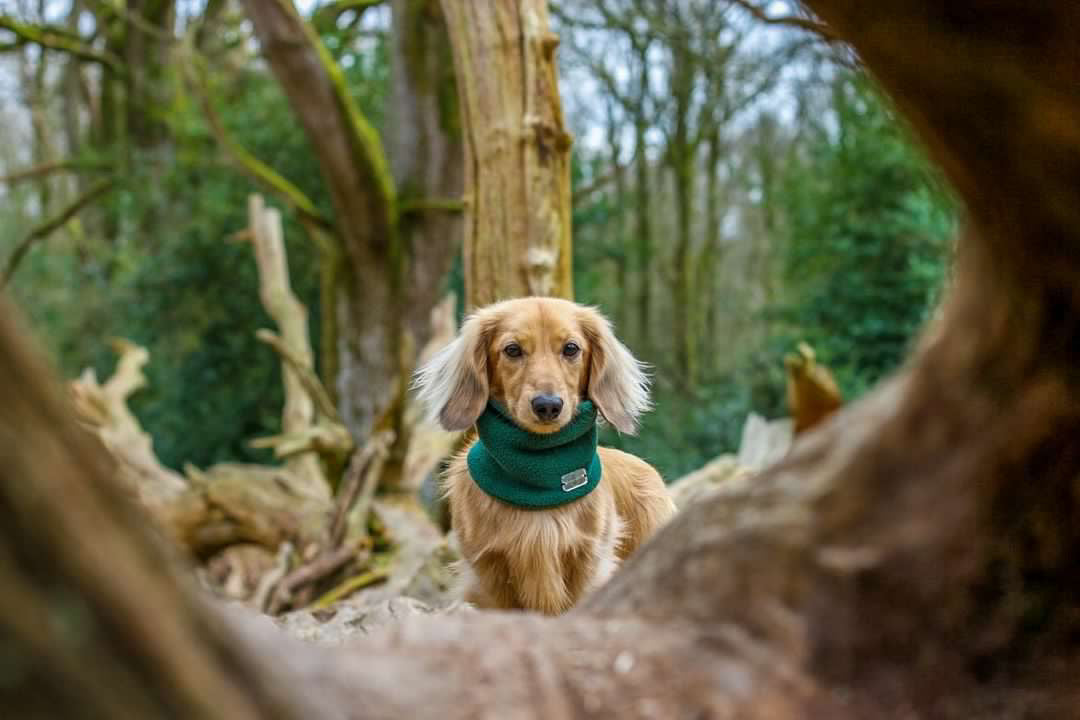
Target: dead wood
[(517, 149), (102, 408), (290, 315), (358, 487), (287, 588)]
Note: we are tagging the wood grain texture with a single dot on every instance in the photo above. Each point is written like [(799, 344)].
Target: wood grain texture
[(517, 150)]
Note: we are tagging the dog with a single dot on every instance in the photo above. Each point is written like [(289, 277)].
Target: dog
[(528, 372)]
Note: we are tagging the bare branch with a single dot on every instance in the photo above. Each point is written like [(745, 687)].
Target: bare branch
[(46, 228), (419, 205), (311, 572), (324, 438), (259, 170), (61, 40), (326, 17), (794, 21), (304, 373), (137, 20), (44, 169), (359, 180), (359, 484), (584, 192)]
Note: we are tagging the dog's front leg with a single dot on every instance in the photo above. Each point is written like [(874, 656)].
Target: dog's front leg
[(540, 583)]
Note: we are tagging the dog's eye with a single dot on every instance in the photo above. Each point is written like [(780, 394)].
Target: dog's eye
[(570, 350), (513, 350)]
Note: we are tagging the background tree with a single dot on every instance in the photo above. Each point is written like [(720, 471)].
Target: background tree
[(517, 222)]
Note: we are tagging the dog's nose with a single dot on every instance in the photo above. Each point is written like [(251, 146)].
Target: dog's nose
[(547, 407)]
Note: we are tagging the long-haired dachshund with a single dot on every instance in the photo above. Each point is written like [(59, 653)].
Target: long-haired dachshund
[(542, 514)]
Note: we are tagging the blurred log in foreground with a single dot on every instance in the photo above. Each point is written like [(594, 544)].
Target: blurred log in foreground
[(914, 557)]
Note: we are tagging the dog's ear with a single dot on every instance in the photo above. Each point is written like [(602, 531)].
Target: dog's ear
[(618, 384), (453, 384)]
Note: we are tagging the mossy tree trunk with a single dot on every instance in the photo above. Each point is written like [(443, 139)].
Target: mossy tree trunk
[(682, 159), (396, 214), (914, 557), (427, 160), (517, 151), (643, 221)]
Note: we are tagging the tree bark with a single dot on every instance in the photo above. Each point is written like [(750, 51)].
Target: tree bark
[(427, 159), (915, 557), (517, 151), (146, 58), (364, 197), (397, 245), (643, 206), (618, 201), (681, 156), (290, 315), (706, 267), (92, 619)]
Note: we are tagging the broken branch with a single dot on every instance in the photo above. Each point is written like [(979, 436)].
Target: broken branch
[(359, 484), (304, 373), (319, 568), (794, 21), (420, 205), (37, 171), (47, 228), (350, 586), (61, 41), (257, 169)]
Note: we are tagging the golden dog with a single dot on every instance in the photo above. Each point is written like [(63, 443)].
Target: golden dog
[(540, 360)]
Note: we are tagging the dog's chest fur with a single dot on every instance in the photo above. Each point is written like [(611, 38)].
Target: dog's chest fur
[(541, 560)]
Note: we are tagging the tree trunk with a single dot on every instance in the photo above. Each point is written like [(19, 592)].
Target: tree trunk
[(681, 158), (706, 267), (397, 243), (517, 151), (915, 557), (426, 154), (643, 208), (147, 60), (621, 303), (427, 160), (364, 198)]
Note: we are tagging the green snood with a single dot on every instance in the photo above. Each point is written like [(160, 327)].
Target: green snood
[(535, 470)]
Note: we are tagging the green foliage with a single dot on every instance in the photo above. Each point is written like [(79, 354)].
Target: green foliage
[(869, 228), (865, 228)]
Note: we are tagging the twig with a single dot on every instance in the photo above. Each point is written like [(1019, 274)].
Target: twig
[(324, 438), (49, 168), (326, 17), (304, 373), (323, 565), (263, 173), (794, 21), (359, 484), (128, 375), (409, 206), (137, 20), (585, 191), (350, 586), (272, 577), (62, 41), (46, 228)]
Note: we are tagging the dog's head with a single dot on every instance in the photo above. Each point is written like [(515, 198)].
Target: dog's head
[(538, 357)]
